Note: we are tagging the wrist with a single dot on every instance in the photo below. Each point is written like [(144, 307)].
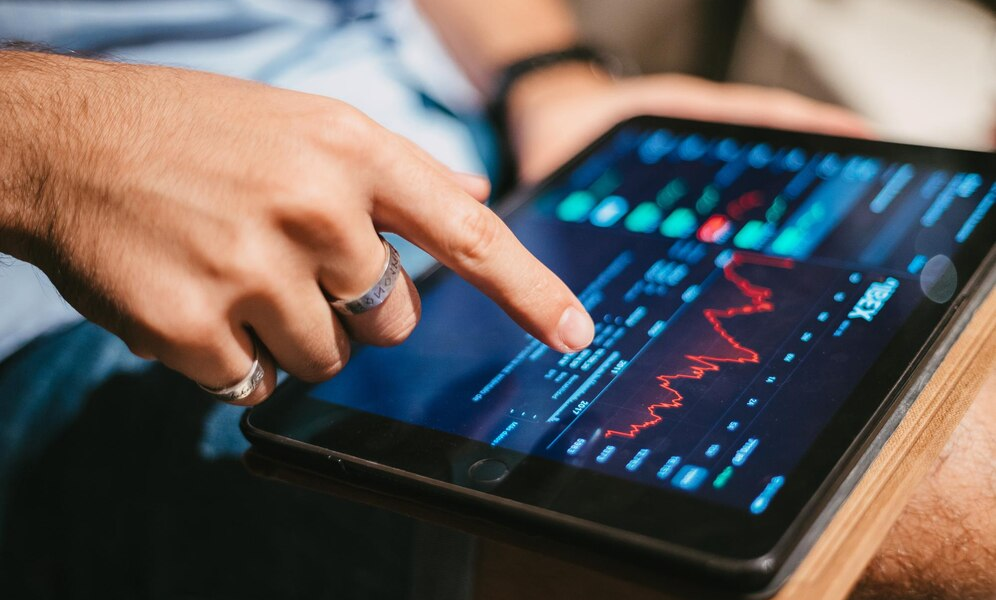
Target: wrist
[(527, 90), (23, 171), (541, 90), (48, 104)]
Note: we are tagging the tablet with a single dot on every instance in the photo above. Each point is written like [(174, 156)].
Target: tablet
[(763, 300)]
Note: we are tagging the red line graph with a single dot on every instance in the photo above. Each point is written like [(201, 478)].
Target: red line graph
[(760, 301)]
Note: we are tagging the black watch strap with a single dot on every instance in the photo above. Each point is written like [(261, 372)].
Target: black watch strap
[(510, 75), (544, 60)]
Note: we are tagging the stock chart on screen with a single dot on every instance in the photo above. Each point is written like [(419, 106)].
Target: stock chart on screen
[(740, 291)]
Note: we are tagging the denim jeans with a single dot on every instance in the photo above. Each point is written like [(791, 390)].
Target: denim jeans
[(119, 480)]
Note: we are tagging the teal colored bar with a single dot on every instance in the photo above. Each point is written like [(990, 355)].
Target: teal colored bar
[(681, 223), (644, 219), (576, 206)]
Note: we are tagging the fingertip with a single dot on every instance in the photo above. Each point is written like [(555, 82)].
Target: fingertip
[(576, 330)]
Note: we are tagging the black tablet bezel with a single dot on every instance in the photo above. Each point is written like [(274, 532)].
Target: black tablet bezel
[(716, 539)]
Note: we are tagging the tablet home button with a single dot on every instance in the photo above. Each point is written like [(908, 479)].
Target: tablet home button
[(488, 470)]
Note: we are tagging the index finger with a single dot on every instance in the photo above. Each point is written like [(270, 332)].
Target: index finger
[(431, 211)]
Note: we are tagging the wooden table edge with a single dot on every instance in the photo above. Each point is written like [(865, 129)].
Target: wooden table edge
[(837, 560)]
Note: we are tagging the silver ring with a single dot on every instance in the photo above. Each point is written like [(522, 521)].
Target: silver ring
[(244, 388), (379, 292)]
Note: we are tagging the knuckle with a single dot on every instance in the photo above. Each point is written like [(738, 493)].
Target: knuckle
[(343, 127), (199, 337), (478, 231), (164, 334), (138, 336), (263, 289), (141, 348), (232, 256), (302, 192), (399, 329), (322, 362), (323, 370), (191, 328), (299, 175), (313, 225)]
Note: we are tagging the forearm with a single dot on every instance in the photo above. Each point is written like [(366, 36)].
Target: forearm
[(22, 175), (50, 108)]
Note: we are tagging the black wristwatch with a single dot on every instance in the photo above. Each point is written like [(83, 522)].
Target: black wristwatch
[(510, 75)]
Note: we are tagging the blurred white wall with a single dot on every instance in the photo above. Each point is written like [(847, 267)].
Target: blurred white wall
[(919, 70)]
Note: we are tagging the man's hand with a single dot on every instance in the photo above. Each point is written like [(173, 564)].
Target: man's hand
[(190, 213), (555, 112)]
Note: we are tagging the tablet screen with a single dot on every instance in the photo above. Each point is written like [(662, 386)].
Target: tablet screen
[(741, 289)]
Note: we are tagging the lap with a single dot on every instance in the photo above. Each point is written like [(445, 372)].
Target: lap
[(118, 479)]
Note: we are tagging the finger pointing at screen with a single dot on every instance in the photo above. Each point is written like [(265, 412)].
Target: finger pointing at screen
[(469, 238), (211, 221)]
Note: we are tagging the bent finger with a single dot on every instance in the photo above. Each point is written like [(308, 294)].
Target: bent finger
[(392, 321), (374, 298), (222, 359), (301, 332)]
